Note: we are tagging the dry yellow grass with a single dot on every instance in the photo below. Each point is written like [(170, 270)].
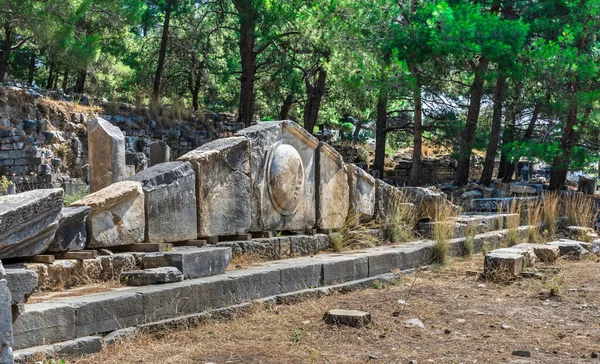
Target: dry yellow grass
[(556, 329)]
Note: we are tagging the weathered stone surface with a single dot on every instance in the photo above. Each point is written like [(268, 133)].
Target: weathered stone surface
[(44, 323), (160, 152), (333, 193), (117, 216), (387, 202), (170, 202), (72, 230), (426, 200), (28, 222), (528, 253), (106, 153), (192, 262), (570, 248), (352, 318), (362, 192), (500, 204), (282, 158), (544, 252), (582, 232), (498, 264), (6, 328), (223, 186), (21, 283), (151, 276), (76, 347)]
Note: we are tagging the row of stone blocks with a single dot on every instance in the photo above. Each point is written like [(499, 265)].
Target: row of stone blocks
[(273, 176), (66, 319)]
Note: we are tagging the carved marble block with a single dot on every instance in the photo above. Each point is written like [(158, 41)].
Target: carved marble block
[(362, 193), (333, 198), (223, 186), (28, 222), (282, 159), (117, 216)]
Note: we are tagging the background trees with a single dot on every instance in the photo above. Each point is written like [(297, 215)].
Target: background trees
[(508, 78)]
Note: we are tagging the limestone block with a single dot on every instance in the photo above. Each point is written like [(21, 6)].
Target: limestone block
[(362, 192), (72, 231), (427, 200), (192, 262), (21, 283), (282, 159), (544, 252), (170, 202), (502, 263), (387, 202), (106, 153), (223, 186), (117, 216), (570, 248), (6, 327), (333, 193), (44, 323), (160, 152), (28, 222), (151, 276), (529, 256)]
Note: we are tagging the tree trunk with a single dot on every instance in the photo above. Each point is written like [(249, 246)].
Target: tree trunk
[(6, 48), (315, 92), (162, 54), (246, 44), (415, 172), (494, 137), (31, 73), (50, 77), (286, 107), (65, 80), (80, 83), (468, 134), (380, 133), (560, 164)]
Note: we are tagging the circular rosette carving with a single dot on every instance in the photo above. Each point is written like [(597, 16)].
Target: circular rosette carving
[(285, 176)]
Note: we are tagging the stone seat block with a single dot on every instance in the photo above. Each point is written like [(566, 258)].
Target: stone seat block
[(192, 262)]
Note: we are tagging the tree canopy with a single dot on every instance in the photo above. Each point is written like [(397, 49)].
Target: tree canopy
[(512, 78)]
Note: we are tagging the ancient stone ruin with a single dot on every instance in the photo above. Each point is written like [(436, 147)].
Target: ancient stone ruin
[(271, 189)]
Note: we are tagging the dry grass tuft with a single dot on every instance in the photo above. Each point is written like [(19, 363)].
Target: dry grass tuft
[(550, 212), (534, 216), (579, 210), (354, 235), (443, 231), (399, 225), (515, 207)]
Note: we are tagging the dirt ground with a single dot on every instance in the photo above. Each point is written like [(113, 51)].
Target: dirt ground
[(466, 321)]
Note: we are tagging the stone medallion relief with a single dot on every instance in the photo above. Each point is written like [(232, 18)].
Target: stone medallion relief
[(285, 175)]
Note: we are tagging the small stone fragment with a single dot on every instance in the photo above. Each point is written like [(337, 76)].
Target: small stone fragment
[(152, 276), (352, 318), (415, 322), (522, 353)]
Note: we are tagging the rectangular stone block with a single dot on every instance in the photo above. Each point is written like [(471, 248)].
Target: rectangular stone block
[(117, 216), (300, 275), (223, 186), (255, 282), (28, 222), (170, 202), (162, 302), (44, 323), (344, 269), (333, 193), (160, 152), (362, 193), (282, 159), (192, 262), (106, 312), (21, 283), (502, 263)]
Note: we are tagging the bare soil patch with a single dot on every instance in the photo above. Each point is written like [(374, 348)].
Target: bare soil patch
[(466, 321)]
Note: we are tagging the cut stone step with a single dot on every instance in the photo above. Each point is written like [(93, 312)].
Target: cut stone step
[(192, 262), (152, 276)]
